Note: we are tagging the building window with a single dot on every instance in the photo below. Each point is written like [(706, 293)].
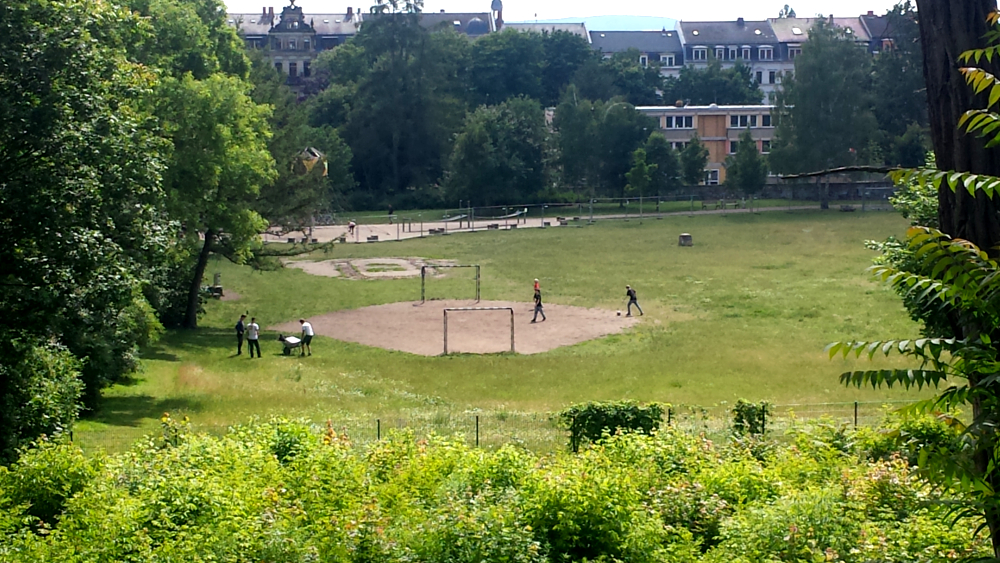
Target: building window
[(771, 77), (887, 44), (794, 52), (305, 44), (306, 71), (679, 145), (291, 44), (753, 121), (712, 177), (765, 146), (765, 121), (643, 60), (746, 53), (744, 120), (293, 69), (720, 53), (688, 121), (766, 54), (733, 145), (732, 53), (734, 121), (760, 77), (699, 54), (667, 60)]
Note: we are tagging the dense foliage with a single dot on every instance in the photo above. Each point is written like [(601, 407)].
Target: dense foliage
[(280, 491), (594, 421)]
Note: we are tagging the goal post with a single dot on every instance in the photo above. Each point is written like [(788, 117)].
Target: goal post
[(456, 309), (423, 278)]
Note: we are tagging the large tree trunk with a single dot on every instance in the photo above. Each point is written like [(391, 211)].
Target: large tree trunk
[(947, 28), (194, 291)]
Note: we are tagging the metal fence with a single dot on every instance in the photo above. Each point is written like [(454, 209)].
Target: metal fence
[(535, 431)]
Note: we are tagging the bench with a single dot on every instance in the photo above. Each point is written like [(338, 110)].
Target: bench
[(847, 208), (342, 238), (564, 223), (291, 240), (493, 226), (372, 238), (560, 219), (546, 224)]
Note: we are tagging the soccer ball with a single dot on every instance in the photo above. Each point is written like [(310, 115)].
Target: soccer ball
[(619, 313)]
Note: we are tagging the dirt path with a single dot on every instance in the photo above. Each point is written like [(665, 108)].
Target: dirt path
[(418, 328)]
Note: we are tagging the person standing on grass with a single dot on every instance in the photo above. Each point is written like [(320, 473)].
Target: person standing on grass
[(538, 306), (390, 214), (253, 333), (240, 329), (307, 337), (632, 300)]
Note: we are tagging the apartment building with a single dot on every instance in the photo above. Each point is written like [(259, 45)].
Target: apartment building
[(751, 43), (717, 127), (660, 47)]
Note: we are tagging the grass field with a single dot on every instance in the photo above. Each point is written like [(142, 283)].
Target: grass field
[(745, 313)]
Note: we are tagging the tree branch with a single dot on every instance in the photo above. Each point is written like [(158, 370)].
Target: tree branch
[(842, 169)]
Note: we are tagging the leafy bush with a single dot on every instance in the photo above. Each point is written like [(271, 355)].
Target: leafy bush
[(40, 483), (750, 418), (592, 421)]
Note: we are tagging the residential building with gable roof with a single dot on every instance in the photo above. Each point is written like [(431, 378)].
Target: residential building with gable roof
[(660, 47), (574, 28), (793, 32), (751, 43)]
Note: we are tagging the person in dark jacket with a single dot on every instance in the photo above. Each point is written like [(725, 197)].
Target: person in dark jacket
[(632, 300), (240, 329), (538, 306)]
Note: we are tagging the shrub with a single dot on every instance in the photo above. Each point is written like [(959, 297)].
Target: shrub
[(592, 421), (750, 418), (43, 479)]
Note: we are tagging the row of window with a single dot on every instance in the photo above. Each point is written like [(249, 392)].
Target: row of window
[(289, 44), (293, 68), (665, 60), (678, 122), (744, 121), (764, 53)]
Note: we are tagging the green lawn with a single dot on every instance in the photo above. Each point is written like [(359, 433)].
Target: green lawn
[(745, 313)]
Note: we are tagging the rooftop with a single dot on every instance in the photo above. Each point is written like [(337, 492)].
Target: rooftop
[(664, 41), (796, 30), (574, 28), (728, 32)]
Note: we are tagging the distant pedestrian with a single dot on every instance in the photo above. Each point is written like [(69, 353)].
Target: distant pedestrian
[(350, 226), (537, 287), (390, 214), (538, 306), (253, 333), (632, 300), (240, 329), (307, 337)]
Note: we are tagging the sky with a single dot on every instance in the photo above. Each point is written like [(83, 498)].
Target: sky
[(525, 10)]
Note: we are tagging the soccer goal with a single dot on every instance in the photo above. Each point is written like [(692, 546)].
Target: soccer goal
[(423, 278), (473, 309)]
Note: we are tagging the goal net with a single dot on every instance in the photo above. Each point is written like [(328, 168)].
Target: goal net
[(479, 330), (452, 281)]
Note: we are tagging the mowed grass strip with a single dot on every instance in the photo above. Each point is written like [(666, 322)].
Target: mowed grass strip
[(744, 313)]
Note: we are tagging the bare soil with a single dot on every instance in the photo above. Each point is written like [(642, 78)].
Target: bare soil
[(418, 328)]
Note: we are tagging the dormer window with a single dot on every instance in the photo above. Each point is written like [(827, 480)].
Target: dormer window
[(699, 54), (732, 53), (667, 60), (720, 53), (794, 52), (746, 53), (766, 53), (643, 61)]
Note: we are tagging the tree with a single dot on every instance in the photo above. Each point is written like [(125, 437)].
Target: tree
[(694, 158), (217, 167), (565, 54), (899, 100), (636, 83), (506, 65), (576, 139), (746, 171), (713, 85), (823, 111), (497, 158), (619, 130), (80, 210), (640, 176), (666, 178)]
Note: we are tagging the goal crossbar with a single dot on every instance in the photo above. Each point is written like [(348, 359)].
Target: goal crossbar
[(459, 309), (423, 278)]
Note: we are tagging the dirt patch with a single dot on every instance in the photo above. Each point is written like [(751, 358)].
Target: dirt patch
[(418, 328), (326, 268), (229, 296)]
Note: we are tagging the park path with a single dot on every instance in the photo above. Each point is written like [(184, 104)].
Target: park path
[(408, 230)]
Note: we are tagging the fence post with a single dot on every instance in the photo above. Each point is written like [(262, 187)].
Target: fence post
[(855, 414), (477, 430), (378, 429)]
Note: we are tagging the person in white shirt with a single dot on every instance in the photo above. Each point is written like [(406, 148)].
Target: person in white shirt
[(253, 333), (307, 336)]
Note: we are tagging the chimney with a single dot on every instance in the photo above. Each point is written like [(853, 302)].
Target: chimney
[(263, 12), (350, 12), (740, 22), (270, 12), (442, 10), (871, 13)]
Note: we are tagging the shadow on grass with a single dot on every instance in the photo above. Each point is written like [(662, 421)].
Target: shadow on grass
[(132, 410), (196, 341)]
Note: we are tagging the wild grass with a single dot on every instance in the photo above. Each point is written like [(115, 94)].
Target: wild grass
[(744, 313)]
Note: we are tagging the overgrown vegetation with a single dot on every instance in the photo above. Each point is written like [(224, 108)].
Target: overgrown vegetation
[(284, 491)]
